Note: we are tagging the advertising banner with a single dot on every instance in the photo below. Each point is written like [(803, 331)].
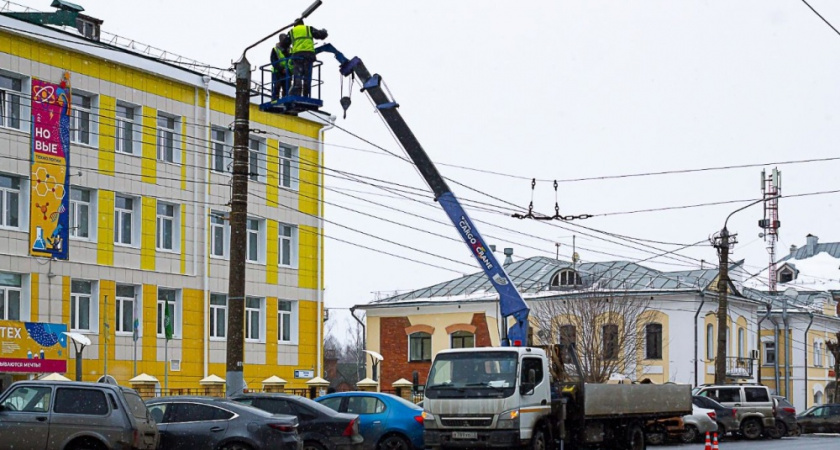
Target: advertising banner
[(49, 223), (33, 347)]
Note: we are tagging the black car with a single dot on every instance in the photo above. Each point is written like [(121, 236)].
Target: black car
[(321, 428), (727, 420), (786, 423), (820, 419), (191, 423)]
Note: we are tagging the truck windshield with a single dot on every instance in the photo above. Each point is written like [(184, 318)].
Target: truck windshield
[(472, 374)]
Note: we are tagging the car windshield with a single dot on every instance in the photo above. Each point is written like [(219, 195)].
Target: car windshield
[(473, 374)]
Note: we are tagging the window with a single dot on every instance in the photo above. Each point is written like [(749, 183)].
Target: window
[(255, 250), (463, 339), (10, 104), (9, 201), (609, 336), (222, 153), (288, 167), (420, 347), (288, 245), (568, 337), (126, 297), (710, 342), (253, 314), (566, 278), (167, 299), (218, 235), (256, 160), (653, 341), (529, 364), (80, 213), (166, 132), (10, 293), (167, 229), (769, 353), (332, 403), (218, 315), (28, 399), (727, 395), (127, 130), (756, 394), (89, 402), (785, 275), (80, 305), (364, 405), (80, 123), (818, 358), (284, 321), (124, 218), (742, 342), (195, 412)]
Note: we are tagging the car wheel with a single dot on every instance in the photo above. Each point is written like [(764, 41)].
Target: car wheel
[(781, 430), (751, 429), (538, 440), (236, 446), (394, 442), (312, 445), (690, 434)]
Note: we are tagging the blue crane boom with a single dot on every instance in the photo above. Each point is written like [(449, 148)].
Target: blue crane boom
[(511, 303)]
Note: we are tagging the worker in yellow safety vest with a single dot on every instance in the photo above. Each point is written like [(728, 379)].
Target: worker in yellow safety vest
[(281, 68), (302, 50)]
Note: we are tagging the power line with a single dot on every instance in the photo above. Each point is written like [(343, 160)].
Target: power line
[(821, 17)]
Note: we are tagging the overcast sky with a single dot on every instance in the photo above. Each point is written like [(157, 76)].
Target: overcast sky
[(552, 90)]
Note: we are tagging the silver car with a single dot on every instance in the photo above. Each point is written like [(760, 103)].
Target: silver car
[(56, 415), (698, 423)]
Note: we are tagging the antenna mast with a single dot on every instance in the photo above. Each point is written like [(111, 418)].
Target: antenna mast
[(771, 188)]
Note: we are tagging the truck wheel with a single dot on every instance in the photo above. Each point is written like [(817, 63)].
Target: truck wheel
[(539, 441), (635, 438), (751, 429), (656, 435)]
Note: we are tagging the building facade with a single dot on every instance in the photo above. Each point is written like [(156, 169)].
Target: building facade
[(150, 162)]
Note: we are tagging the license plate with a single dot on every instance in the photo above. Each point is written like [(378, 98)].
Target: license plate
[(464, 435)]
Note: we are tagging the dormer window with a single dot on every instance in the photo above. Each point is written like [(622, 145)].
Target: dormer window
[(786, 275), (566, 278)]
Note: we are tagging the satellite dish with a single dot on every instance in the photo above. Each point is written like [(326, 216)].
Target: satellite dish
[(107, 379)]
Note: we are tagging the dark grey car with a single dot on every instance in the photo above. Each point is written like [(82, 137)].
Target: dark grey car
[(725, 416), (785, 418), (61, 415), (192, 423)]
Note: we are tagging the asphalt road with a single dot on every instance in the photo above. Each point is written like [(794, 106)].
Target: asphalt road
[(807, 442)]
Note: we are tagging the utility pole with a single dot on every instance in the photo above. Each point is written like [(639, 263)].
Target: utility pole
[(834, 348), (234, 376), (722, 243)]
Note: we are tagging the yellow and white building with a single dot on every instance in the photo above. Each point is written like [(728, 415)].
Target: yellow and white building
[(150, 160)]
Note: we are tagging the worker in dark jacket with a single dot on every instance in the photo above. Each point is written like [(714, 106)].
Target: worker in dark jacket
[(302, 42), (281, 68)]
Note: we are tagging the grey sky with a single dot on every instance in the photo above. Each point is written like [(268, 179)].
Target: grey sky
[(554, 90)]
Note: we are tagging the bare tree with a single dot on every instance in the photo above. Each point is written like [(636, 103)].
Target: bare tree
[(834, 348), (609, 331)]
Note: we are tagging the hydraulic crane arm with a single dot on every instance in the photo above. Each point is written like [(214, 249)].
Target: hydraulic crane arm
[(511, 303)]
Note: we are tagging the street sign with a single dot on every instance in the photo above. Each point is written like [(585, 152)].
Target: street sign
[(307, 374)]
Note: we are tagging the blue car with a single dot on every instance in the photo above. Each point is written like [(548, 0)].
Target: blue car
[(387, 422)]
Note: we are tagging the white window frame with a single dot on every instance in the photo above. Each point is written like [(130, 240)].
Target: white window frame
[(257, 160), (257, 235), (5, 194), (710, 342), (215, 311), (292, 238), (11, 99), (175, 304), (415, 335), (133, 218), (8, 287), (123, 124), (292, 314), (222, 153), (742, 342), (289, 167), (766, 351), (76, 208), (174, 222), (165, 133), (120, 309), (81, 114), (818, 353), (75, 307), (224, 228), (251, 313)]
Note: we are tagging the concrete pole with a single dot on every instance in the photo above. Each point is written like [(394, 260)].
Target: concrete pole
[(723, 307)]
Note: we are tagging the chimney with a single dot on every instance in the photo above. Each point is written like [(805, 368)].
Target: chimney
[(508, 256), (811, 240), (792, 249)]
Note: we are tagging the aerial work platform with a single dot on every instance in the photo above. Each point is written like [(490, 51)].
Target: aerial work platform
[(292, 103)]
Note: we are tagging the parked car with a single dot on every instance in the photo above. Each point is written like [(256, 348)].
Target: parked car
[(70, 415), (385, 421), (725, 416), (820, 419), (786, 423), (753, 404), (320, 428), (698, 423), (190, 423)]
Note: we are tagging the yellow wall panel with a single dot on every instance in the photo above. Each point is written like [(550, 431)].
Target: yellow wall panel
[(147, 232), (309, 182), (65, 301), (148, 165), (272, 231), (149, 331), (272, 189), (271, 327), (184, 238), (34, 294), (107, 294), (105, 229), (107, 131), (308, 257)]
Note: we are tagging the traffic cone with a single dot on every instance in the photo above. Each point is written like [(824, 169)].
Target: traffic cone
[(715, 442), (708, 442)]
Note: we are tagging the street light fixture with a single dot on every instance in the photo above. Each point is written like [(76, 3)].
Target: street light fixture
[(80, 341)]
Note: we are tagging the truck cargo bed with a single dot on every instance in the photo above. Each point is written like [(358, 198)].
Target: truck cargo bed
[(647, 400)]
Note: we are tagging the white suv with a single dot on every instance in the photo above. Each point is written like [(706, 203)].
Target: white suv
[(753, 405)]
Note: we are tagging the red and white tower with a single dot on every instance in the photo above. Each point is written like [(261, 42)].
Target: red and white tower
[(771, 188)]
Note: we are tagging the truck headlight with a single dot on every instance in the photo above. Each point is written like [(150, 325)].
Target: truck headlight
[(509, 419), (429, 420)]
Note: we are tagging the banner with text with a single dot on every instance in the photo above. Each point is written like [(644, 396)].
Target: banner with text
[(49, 223), (33, 347)]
